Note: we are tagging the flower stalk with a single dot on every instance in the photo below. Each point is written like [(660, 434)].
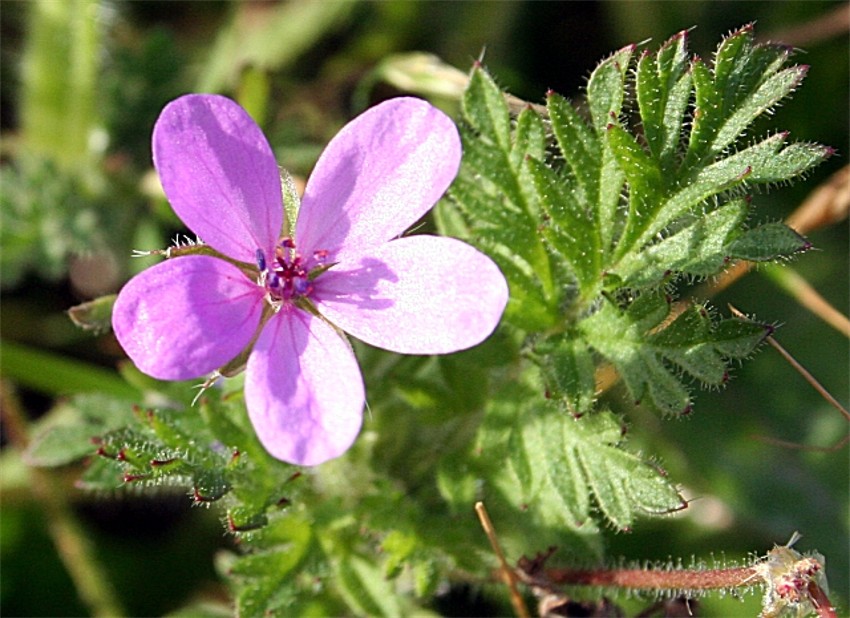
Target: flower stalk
[(790, 580)]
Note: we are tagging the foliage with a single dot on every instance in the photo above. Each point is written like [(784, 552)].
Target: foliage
[(584, 265), (599, 214)]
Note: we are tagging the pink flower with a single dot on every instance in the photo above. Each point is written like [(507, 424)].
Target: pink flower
[(345, 267)]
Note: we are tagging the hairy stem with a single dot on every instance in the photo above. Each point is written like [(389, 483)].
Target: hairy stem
[(658, 579)]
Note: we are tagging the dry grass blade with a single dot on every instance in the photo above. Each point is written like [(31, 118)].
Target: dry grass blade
[(505, 570)]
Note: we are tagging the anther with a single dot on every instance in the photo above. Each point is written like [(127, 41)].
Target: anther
[(302, 286), (261, 260)]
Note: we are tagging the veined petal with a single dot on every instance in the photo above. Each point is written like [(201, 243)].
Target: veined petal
[(303, 389), (415, 295), (378, 176), (187, 316), (219, 173)]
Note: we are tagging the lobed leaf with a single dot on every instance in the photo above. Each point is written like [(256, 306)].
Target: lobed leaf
[(568, 227), (262, 579), (583, 462), (663, 86), (767, 241), (578, 144), (494, 193), (606, 91), (568, 370), (484, 108), (700, 248), (365, 589), (648, 353), (705, 245)]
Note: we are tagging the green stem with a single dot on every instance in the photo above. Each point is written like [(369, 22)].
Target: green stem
[(73, 546)]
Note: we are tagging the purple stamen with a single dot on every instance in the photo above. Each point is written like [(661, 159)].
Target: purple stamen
[(302, 286), (287, 276)]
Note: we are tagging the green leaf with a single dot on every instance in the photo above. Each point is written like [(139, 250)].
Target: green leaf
[(568, 369), (53, 374), (747, 80), (766, 242), (484, 108), (365, 589), (706, 245), (565, 474), (746, 83), (68, 432), (578, 144), (663, 86), (582, 461), (398, 548), (519, 448), (606, 88), (498, 201), (263, 579), (102, 475), (529, 139), (94, 315), (646, 354), (699, 249), (606, 91), (569, 228)]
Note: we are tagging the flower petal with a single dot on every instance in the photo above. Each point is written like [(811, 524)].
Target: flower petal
[(187, 316), (416, 295), (378, 176), (219, 174), (303, 389)]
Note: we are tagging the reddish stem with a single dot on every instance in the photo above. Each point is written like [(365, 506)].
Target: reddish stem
[(654, 579)]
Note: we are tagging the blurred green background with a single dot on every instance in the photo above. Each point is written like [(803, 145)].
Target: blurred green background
[(82, 84)]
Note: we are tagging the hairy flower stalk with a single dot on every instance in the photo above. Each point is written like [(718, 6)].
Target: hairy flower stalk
[(790, 580), (280, 292)]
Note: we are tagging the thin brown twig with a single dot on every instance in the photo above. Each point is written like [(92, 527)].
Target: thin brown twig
[(822, 28), (801, 370), (508, 574), (814, 384)]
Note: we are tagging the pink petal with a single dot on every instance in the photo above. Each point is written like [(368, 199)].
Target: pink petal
[(415, 295), (378, 176), (303, 389), (187, 316), (219, 174)]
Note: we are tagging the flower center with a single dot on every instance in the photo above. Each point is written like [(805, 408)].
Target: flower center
[(289, 275)]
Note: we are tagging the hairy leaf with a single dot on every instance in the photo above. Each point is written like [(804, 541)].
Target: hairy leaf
[(583, 462), (496, 197), (649, 353)]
